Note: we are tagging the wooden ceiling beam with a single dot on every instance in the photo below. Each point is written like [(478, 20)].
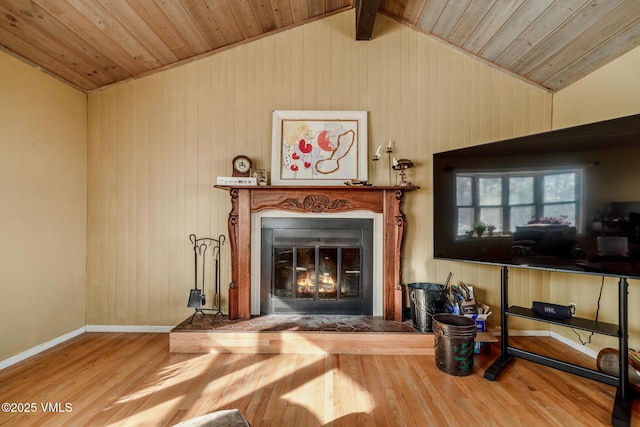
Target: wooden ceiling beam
[(366, 11)]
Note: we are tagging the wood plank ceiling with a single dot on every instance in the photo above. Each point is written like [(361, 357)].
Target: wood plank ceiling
[(91, 44)]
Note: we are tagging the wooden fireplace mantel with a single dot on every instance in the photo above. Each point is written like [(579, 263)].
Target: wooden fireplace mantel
[(311, 199)]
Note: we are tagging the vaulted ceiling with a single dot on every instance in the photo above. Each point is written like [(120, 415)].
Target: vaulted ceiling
[(92, 44)]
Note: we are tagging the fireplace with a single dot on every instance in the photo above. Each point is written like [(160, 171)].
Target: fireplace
[(382, 202), (316, 266)]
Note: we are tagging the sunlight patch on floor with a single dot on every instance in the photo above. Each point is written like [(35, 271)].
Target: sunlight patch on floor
[(316, 396)]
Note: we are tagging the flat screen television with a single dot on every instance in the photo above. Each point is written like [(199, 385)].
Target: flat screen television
[(564, 200)]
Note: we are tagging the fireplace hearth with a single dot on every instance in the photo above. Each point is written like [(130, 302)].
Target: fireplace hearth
[(316, 266)]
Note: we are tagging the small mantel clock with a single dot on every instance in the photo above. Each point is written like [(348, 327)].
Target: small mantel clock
[(241, 165)]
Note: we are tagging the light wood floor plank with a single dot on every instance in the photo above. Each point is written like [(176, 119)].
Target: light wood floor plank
[(119, 379)]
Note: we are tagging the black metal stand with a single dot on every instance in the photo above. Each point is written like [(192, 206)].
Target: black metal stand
[(494, 370), (621, 415), (198, 310), (200, 247)]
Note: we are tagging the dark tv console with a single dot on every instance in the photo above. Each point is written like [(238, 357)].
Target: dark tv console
[(621, 415)]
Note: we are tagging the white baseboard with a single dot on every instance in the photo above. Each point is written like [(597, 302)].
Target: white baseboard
[(576, 346), (525, 333), (88, 328), (39, 348), (130, 328)]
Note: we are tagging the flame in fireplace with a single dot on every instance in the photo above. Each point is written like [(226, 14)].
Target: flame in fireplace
[(305, 285), (326, 288), (326, 281)]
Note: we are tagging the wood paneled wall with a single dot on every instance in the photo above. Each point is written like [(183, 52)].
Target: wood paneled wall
[(157, 144)]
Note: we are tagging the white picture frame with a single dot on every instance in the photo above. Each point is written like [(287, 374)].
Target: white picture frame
[(319, 147)]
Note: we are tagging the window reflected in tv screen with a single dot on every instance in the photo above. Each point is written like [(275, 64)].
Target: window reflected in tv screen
[(565, 200)]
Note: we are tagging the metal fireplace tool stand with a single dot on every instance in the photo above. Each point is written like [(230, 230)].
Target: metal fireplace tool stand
[(197, 298)]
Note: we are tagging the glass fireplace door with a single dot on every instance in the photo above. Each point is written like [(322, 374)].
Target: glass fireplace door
[(320, 270), (311, 273), (351, 273)]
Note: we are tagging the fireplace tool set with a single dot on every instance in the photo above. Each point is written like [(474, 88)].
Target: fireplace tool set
[(197, 297)]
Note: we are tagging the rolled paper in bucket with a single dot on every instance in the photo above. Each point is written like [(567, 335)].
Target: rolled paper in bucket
[(454, 336), (426, 299)]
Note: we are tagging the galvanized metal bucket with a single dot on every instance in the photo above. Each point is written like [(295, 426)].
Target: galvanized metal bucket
[(454, 336), (426, 299)]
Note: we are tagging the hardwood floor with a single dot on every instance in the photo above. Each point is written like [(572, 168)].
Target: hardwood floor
[(100, 379)]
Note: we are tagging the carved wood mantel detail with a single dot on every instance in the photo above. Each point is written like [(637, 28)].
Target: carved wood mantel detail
[(248, 199), (317, 203)]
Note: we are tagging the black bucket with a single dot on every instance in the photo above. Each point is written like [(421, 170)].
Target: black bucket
[(426, 299), (454, 336)]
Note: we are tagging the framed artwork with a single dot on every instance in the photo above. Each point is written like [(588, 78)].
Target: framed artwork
[(318, 147)]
